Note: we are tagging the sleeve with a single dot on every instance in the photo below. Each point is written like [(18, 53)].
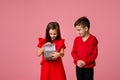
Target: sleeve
[(94, 52), (74, 52), (41, 41), (63, 43)]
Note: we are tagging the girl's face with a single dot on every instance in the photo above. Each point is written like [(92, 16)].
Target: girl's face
[(53, 33), (81, 30)]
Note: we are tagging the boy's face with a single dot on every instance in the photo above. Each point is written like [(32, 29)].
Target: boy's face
[(53, 33), (81, 30)]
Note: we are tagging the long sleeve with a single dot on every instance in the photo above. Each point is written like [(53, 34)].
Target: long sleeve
[(74, 52), (94, 53)]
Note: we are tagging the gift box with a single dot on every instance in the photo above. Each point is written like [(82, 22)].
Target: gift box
[(48, 51)]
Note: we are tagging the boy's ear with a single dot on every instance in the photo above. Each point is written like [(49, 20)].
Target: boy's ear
[(86, 28)]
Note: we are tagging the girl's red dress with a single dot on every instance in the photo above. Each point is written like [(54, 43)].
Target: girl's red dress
[(52, 69)]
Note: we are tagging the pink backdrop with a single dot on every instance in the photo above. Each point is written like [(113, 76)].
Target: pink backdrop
[(23, 21)]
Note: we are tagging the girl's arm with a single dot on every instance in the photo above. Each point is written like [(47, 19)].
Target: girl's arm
[(55, 55), (39, 51), (62, 52)]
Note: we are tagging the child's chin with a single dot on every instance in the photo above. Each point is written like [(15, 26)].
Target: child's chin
[(53, 39), (80, 35)]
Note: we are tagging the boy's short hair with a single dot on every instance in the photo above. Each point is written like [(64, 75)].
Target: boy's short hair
[(84, 21)]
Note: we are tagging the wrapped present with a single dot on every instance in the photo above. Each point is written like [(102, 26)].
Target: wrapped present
[(48, 51)]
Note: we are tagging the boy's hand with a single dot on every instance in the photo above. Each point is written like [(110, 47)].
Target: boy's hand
[(80, 63)]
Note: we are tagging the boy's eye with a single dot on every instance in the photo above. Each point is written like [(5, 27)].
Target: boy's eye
[(78, 29)]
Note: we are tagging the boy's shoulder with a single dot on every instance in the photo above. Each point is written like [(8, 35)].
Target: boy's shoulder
[(91, 36), (77, 38), (94, 38)]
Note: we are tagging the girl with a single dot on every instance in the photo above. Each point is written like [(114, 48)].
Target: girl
[(52, 69)]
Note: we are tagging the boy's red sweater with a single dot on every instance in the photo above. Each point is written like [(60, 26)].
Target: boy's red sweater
[(85, 50)]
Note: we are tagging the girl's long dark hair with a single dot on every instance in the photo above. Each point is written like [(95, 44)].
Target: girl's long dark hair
[(52, 25)]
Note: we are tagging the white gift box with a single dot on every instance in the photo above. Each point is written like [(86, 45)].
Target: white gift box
[(48, 51)]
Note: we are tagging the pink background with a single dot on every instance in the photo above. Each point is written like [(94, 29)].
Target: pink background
[(23, 21)]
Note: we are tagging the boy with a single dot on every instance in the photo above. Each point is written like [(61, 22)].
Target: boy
[(85, 50)]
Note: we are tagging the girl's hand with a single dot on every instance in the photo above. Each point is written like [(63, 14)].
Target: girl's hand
[(55, 55), (47, 43), (40, 50)]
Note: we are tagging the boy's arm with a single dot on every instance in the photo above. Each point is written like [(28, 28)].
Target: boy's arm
[(74, 52), (94, 53)]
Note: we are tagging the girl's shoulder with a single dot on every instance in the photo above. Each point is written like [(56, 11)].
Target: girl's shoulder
[(41, 41), (60, 43), (60, 40)]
